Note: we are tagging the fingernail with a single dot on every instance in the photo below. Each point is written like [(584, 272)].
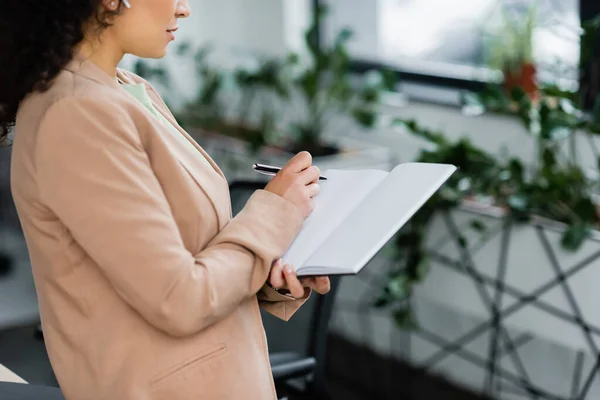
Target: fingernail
[(289, 269)]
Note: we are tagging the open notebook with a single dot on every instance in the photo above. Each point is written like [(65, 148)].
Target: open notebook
[(357, 212)]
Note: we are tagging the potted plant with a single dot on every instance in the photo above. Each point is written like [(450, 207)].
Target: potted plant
[(549, 228), (326, 88), (555, 187), (510, 50), (206, 109), (268, 108), (263, 92)]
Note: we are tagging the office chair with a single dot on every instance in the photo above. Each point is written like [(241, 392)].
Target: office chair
[(22, 391), (298, 347)]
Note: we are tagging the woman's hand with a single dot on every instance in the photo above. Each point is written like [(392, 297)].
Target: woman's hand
[(297, 182), (319, 284), (283, 276)]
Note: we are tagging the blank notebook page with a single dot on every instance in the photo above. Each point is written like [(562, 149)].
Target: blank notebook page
[(378, 217), (340, 194)]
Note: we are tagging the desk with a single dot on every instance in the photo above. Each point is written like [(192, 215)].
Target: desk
[(7, 375)]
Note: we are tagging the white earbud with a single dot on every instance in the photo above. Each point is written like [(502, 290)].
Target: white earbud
[(126, 3)]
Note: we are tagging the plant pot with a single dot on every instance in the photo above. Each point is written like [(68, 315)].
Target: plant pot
[(235, 157), (523, 77), (317, 150)]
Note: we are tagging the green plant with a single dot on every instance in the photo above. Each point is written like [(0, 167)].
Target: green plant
[(478, 173), (511, 46), (206, 109), (327, 89), (263, 90), (554, 186), (150, 71)]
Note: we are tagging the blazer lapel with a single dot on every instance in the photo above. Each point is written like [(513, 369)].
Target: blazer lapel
[(161, 107), (207, 175)]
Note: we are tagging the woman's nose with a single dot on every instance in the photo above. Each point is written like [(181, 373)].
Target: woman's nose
[(183, 9)]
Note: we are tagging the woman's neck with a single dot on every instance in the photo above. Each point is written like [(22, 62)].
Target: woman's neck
[(102, 53)]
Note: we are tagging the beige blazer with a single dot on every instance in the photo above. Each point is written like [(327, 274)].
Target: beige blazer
[(148, 289)]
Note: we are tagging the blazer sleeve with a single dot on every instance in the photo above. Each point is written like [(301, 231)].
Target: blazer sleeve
[(93, 172), (278, 305)]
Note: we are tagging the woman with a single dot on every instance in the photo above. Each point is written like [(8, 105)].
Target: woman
[(148, 289)]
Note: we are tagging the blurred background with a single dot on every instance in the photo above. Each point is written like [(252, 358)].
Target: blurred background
[(492, 290)]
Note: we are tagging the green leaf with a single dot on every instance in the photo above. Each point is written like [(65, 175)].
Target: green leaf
[(390, 80), (408, 239), (518, 202), (472, 104), (370, 94), (478, 226), (183, 49), (398, 287), (548, 158), (413, 127), (422, 269), (365, 118), (405, 319), (383, 300), (585, 209), (574, 236), (559, 133), (343, 37), (518, 94), (557, 92), (516, 169)]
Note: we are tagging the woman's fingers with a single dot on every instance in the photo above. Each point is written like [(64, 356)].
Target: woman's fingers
[(323, 284), (276, 277), (320, 284), (283, 276), (293, 284), (313, 189)]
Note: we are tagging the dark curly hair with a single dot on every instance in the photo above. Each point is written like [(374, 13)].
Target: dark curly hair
[(37, 39)]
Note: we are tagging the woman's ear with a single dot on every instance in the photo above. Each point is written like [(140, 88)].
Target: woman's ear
[(113, 5)]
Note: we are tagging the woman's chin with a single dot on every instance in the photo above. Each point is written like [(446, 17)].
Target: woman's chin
[(152, 53)]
